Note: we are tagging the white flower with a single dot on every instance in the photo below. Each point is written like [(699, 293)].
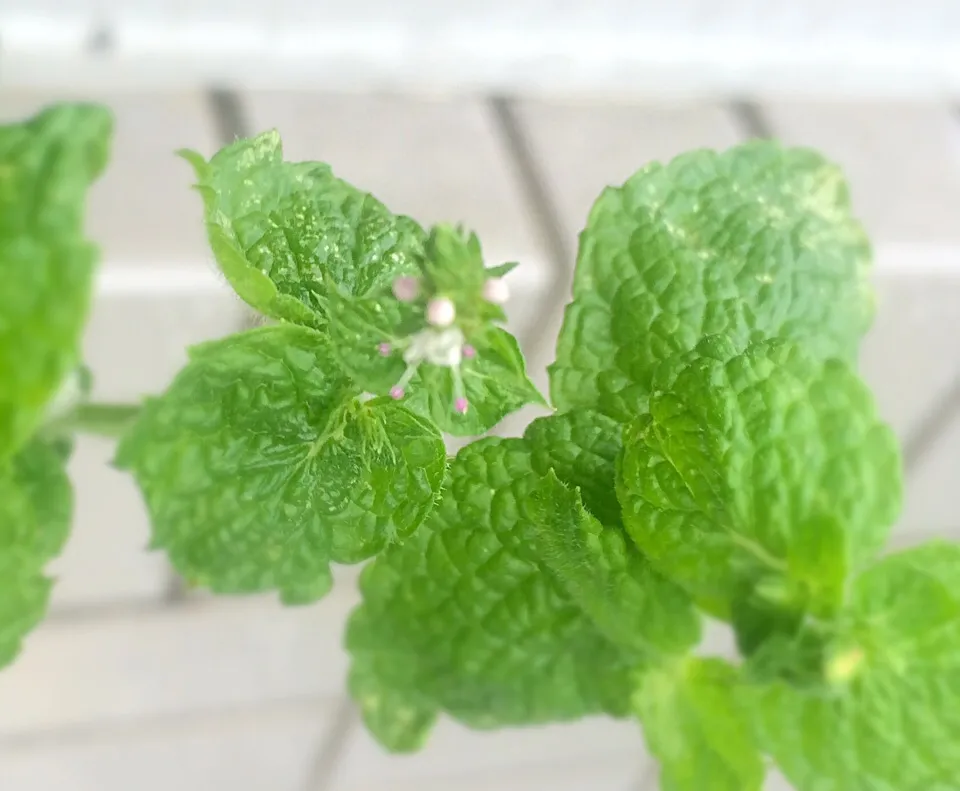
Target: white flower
[(406, 289), (496, 290), (441, 312), (443, 347)]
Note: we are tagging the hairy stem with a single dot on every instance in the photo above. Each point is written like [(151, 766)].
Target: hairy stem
[(102, 420)]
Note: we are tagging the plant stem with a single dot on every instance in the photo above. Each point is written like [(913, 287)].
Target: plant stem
[(103, 420)]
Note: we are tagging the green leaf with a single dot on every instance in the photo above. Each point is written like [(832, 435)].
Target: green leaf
[(755, 242), (892, 720), (747, 462), (397, 716), (259, 466), (280, 230), (694, 725), (383, 343), (35, 508), (47, 164), (631, 604), (582, 448), (464, 618)]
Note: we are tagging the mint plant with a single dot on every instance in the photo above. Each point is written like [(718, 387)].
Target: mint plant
[(47, 264), (711, 451)]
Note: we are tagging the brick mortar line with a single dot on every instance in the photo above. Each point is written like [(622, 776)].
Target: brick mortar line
[(529, 172), (110, 729), (935, 423), (332, 747), (750, 118)]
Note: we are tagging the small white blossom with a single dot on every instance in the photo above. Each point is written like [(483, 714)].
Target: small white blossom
[(441, 312), (496, 290), (437, 347), (444, 347), (406, 289)]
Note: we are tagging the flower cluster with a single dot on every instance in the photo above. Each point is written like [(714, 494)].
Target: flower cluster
[(442, 342)]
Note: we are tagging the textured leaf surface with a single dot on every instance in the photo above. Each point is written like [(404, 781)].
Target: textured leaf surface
[(280, 229), (259, 467), (581, 448), (695, 727), (892, 722), (47, 163), (601, 569), (754, 242), (745, 460), (35, 509), (463, 618)]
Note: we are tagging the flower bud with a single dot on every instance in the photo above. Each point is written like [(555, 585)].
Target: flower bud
[(441, 312), (406, 289), (496, 290)]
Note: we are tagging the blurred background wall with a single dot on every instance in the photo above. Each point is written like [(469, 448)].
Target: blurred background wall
[(837, 47), (509, 116)]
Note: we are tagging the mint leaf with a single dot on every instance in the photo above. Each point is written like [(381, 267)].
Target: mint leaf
[(280, 230), (397, 715), (35, 508), (581, 448), (463, 617), (47, 163), (695, 727), (754, 242), (465, 375), (746, 461), (892, 720), (259, 466), (631, 604)]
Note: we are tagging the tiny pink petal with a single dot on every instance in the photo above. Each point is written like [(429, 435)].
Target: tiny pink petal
[(406, 289), (385, 349), (469, 351), (461, 405), (396, 393), (441, 312), (496, 290)]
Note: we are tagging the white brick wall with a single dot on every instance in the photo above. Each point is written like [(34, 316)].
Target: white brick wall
[(648, 47), (123, 689)]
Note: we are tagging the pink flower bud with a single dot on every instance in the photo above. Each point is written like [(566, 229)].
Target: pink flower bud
[(385, 349), (396, 393), (469, 352), (441, 312), (461, 405), (496, 290), (406, 289)]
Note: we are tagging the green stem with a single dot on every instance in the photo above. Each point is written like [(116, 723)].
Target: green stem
[(103, 420)]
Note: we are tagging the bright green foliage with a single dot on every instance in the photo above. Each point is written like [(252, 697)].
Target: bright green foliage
[(47, 164), (494, 381), (752, 243), (712, 448), (464, 618), (892, 720), (35, 509), (281, 230), (259, 466), (602, 571), (581, 448), (749, 467), (695, 726)]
